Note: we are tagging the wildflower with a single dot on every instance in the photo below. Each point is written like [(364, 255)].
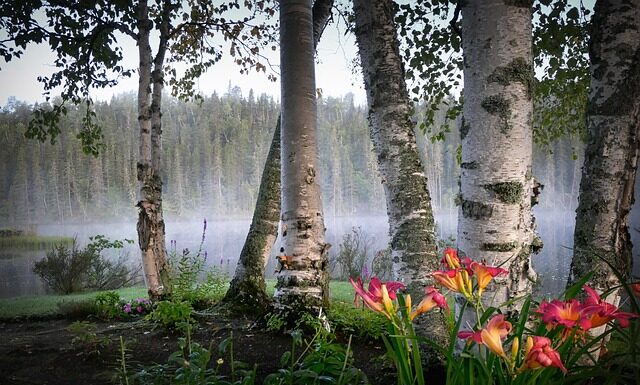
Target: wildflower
[(365, 272), (600, 312), (492, 335), (540, 354), (484, 274), (220, 361), (127, 308), (139, 309), (456, 280), (471, 335), (564, 313), (379, 296), (431, 299), (450, 258)]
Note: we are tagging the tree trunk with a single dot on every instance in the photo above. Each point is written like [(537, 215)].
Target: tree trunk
[(247, 290), (150, 225), (495, 222), (303, 279), (611, 155), (410, 215)]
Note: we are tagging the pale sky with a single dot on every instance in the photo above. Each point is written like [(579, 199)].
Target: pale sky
[(334, 75)]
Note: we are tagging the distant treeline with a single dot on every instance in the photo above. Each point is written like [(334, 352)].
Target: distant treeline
[(213, 157)]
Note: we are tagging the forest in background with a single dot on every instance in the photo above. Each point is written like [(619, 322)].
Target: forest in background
[(214, 162)]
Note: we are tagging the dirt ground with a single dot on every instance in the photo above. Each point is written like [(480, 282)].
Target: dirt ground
[(42, 351)]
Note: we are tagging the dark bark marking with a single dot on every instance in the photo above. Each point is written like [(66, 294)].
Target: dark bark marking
[(518, 70), (464, 128), (476, 210), (507, 192), (499, 247), (499, 106)]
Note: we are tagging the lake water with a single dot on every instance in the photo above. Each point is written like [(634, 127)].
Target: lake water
[(224, 240)]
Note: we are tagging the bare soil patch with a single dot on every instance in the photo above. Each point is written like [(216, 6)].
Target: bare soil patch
[(42, 352)]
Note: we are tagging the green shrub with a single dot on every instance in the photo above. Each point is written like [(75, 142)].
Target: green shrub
[(64, 270), (109, 305), (172, 315), (354, 252), (67, 270)]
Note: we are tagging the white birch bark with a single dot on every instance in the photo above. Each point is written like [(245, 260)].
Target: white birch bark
[(303, 280), (409, 210), (611, 155), (495, 222), (151, 237), (247, 290)]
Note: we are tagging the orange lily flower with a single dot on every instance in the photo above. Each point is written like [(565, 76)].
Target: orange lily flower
[(470, 335), (540, 354), (565, 313), (493, 334), (450, 258), (431, 299), (374, 298), (386, 300), (484, 274), (456, 280), (600, 312)]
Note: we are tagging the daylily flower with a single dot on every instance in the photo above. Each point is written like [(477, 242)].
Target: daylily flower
[(450, 258), (431, 299), (568, 313), (374, 298), (540, 354), (456, 280), (492, 335), (600, 312), (484, 274), (470, 335)]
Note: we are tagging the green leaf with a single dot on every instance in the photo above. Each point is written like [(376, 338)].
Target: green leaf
[(574, 289)]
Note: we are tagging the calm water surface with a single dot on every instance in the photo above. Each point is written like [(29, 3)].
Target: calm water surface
[(224, 239)]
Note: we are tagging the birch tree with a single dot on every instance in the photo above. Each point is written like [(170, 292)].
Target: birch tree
[(613, 121), (495, 222), (247, 289), (409, 211), (303, 279), (85, 36)]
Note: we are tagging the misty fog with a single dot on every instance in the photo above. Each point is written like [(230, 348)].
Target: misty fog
[(213, 160)]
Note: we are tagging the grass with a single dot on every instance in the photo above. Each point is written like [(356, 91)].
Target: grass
[(32, 242), (43, 305)]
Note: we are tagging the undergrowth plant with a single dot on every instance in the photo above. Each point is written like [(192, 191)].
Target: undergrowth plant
[(191, 364), (548, 343), (192, 280), (87, 338), (172, 314), (321, 361)]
